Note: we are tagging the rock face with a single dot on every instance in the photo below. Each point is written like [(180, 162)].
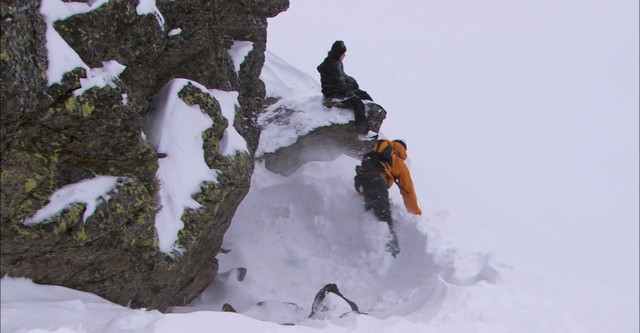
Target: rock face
[(324, 143), (51, 137)]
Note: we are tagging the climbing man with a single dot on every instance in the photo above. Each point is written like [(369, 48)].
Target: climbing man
[(379, 170), (341, 88)]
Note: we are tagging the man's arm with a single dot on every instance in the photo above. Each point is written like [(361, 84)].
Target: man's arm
[(405, 184)]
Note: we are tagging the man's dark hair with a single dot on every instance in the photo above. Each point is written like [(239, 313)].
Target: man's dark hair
[(402, 143)]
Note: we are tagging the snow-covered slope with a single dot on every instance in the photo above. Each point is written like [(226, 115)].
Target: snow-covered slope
[(295, 234)]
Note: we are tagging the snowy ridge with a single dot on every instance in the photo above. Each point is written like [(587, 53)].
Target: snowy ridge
[(315, 231), (293, 235)]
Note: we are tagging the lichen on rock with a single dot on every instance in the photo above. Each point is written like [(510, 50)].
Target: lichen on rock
[(51, 137)]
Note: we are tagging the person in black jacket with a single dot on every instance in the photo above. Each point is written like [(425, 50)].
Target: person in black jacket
[(341, 87)]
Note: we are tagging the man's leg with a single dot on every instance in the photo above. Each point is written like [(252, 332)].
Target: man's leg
[(381, 208), (361, 94), (377, 199), (354, 103), (383, 212)]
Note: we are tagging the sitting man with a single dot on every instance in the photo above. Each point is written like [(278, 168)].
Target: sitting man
[(336, 85)]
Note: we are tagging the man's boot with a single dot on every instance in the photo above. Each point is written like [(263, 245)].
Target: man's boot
[(392, 246)]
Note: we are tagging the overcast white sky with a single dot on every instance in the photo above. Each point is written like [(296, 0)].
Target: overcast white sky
[(519, 115)]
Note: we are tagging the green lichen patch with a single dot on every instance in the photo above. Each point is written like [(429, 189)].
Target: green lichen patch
[(26, 180), (4, 55), (68, 219), (87, 109), (31, 184), (192, 95), (81, 235)]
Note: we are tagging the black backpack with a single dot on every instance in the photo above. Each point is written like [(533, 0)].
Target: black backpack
[(384, 151), (378, 159)]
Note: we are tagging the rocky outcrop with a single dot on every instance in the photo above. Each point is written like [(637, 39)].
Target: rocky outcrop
[(51, 136), (325, 308), (323, 143)]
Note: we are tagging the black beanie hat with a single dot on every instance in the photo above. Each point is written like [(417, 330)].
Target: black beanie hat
[(337, 49)]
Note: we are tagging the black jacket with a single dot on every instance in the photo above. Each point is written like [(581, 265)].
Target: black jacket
[(335, 83)]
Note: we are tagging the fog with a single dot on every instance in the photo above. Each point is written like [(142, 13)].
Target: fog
[(520, 116)]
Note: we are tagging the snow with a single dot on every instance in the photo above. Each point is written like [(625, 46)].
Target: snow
[(298, 92), (89, 192), (232, 141), (238, 52), (175, 129), (521, 117), (283, 80), (62, 58), (446, 279), (174, 32), (524, 149), (146, 7), (315, 231), (332, 306), (100, 77)]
